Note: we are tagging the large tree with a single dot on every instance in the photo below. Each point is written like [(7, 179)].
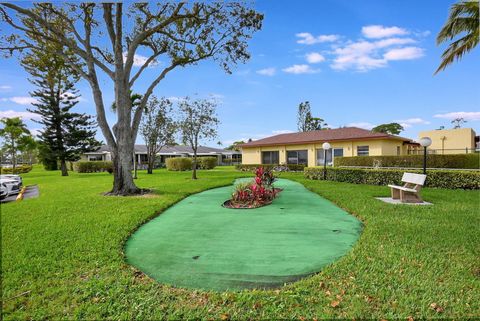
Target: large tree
[(198, 121), (105, 38), (158, 128), (462, 23), (390, 128), (305, 121), (65, 134), (14, 133)]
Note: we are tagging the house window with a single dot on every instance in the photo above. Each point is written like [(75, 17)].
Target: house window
[(338, 152), (297, 157), (398, 150), (270, 157), (94, 158), (321, 155), (362, 150)]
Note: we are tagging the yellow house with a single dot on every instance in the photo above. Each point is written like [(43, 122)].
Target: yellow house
[(306, 147), (450, 141)]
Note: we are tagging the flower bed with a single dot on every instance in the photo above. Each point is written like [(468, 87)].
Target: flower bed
[(254, 194)]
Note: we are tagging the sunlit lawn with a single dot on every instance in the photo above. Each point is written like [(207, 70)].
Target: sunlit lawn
[(62, 256)]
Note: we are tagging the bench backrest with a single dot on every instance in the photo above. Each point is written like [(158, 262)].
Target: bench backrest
[(417, 179)]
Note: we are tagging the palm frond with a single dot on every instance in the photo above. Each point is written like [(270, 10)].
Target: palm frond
[(463, 19)]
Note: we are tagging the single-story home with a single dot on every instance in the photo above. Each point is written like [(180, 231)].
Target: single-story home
[(452, 141), (306, 147), (225, 157)]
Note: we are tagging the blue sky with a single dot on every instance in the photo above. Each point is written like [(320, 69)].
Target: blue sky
[(359, 63)]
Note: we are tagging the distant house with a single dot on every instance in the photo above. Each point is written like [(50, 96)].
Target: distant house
[(451, 141), (225, 157), (306, 147)]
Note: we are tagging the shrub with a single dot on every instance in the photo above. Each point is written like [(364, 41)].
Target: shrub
[(284, 167), (179, 164), (93, 167), (206, 162), (453, 179), (19, 169), (464, 161), (257, 193)]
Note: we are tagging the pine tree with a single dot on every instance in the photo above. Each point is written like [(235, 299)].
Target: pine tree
[(66, 134)]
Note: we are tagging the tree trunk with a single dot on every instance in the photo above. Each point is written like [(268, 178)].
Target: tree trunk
[(150, 161), (63, 167), (122, 170), (14, 156), (194, 165)]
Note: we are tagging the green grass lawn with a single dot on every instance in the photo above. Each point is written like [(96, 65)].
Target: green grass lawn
[(62, 256)]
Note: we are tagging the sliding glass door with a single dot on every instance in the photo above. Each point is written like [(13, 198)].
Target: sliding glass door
[(297, 157), (270, 158)]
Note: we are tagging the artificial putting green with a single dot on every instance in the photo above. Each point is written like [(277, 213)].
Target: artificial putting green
[(199, 244)]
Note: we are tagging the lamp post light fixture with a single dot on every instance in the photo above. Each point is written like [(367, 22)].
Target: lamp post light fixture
[(425, 142), (326, 146)]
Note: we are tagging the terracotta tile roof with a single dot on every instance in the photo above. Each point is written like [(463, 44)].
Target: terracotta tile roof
[(330, 135)]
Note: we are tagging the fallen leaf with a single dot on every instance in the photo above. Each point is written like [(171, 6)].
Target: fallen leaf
[(334, 304), (410, 318), (436, 307), (224, 317), (328, 293)]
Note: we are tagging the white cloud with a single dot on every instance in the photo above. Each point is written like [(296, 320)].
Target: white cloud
[(21, 100), (36, 131), (366, 55), (5, 87), (364, 125), (466, 115), (300, 69), (358, 55), (393, 41), (139, 60), (378, 31), (307, 38), (314, 57), (406, 53), (407, 123), (21, 114), (267, 71)]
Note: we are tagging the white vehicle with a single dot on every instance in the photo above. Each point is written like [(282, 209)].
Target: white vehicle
[(16, 178), (12, 183), (3, 191)]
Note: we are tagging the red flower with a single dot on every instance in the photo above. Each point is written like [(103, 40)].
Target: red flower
[(258, 180)]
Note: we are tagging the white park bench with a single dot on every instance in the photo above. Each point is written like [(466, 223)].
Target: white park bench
[(410, 192)]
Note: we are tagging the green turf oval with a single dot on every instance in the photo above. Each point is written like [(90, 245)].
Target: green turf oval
[(197, 243)]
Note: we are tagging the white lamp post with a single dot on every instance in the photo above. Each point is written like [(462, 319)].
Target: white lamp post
[(425, 142), (326, 146)]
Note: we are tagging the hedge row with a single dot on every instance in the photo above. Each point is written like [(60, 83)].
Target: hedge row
[(435, 178), (93, 167), (179, 164), (185, 163), (206, 162), (464, 161), (286, 167), (19, 169)]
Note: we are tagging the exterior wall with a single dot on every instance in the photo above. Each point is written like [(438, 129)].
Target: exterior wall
[(253, 155), (450, 141)]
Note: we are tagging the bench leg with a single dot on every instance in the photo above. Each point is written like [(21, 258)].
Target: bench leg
[(395, 193), (409, 197)]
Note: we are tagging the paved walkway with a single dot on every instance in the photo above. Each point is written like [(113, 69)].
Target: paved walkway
[(199, 244), (31, 192)]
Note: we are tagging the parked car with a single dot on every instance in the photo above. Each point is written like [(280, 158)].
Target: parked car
[(3, 191), (17, 178), (12, 184)]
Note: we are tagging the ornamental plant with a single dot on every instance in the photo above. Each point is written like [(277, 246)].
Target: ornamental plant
[(260, 191)]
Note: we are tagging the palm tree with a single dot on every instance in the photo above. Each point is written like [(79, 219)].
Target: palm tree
[(13, 132), (463, 20)]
